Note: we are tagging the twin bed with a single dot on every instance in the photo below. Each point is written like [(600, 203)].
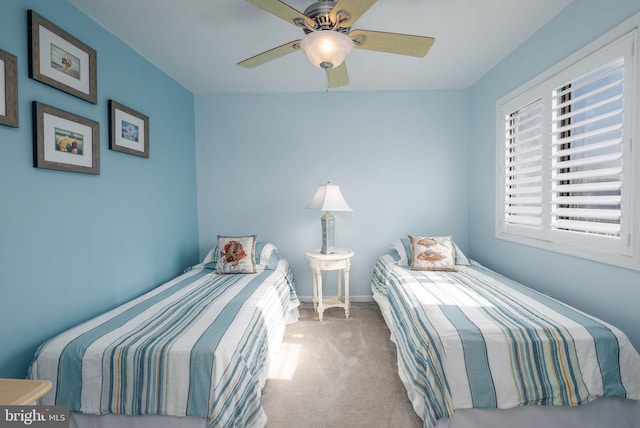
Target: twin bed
[(470, 340), (193, 352)]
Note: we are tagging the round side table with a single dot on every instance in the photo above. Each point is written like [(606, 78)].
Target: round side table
[(339, 261)]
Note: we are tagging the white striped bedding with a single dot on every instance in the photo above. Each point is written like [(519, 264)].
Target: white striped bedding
[(198, 345), (475, 339)]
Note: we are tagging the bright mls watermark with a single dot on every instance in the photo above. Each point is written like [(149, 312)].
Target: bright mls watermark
[(34, 416)]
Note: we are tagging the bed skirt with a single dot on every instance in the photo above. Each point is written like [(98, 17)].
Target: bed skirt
[(602, 412), (125, 421)]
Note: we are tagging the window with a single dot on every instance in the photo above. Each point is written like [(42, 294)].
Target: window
[(567, 171)]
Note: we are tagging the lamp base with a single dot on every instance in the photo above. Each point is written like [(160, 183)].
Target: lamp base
[(328, 223)]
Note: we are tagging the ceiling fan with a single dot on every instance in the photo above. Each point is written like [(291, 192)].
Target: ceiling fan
[(329, 38)]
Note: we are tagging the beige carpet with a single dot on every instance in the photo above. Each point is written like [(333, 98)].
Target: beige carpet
[(337, 373)]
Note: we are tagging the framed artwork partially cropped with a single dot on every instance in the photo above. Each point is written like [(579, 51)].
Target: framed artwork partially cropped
[(8, 89), (65, 141), (128, 130), (58, 59)]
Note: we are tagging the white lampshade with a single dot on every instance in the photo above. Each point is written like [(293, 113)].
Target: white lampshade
[(328, 197), (326, 48)]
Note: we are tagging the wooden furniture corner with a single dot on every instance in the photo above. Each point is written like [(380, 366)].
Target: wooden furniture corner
[(17, 392)]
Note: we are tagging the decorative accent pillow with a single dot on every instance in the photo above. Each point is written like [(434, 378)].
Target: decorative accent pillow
[(401, 252), (265, 260), (236, 254), (432, 253)]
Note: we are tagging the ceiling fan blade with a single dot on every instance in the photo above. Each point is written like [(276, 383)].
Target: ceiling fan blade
[(402, 44), (355, 9), (271, 54), (282, 10), (338, 76)]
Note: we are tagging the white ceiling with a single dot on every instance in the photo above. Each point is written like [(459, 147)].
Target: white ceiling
[(199, 42)]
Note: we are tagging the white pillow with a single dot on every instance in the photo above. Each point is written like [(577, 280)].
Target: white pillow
[(264, 251), (403, 248)]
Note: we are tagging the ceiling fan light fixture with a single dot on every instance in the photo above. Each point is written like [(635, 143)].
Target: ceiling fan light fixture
[(326, 48)]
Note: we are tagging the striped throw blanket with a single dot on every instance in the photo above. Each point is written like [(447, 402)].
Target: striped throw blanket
[(198, 345), (475, 339)]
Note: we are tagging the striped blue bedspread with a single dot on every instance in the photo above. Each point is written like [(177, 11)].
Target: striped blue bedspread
[(198, 345), (475, 339)]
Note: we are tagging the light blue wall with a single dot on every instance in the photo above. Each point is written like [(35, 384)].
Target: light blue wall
[(605, 291), (398, 157), (73, 245)]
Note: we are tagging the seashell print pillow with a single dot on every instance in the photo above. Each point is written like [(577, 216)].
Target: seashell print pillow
[(236, 254), (432, 253), (267, 256), (401, 252)]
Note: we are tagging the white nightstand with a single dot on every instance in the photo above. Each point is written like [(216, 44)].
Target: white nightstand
[(340, 261)]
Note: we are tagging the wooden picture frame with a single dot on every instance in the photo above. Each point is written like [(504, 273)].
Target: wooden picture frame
[(58, 59), (8, 89), (128, 130), (65, 141)]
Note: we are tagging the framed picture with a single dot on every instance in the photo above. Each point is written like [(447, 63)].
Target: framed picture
[(65, 141), (8, 89), (58, 59), (128, 130)]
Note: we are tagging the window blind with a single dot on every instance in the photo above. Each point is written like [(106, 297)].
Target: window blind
[(523, 166), (567, 171), (586, 156)]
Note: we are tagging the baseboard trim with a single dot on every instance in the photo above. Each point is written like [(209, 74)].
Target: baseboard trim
[(352, 299)]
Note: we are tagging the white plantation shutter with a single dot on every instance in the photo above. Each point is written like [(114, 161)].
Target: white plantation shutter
[(587, 152), (523, 166), (568, 176)]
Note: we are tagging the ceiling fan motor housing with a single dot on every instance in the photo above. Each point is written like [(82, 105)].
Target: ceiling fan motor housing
[(328, 37), (320, 12)]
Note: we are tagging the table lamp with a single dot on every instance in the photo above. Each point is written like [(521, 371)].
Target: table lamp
[(328, 198)]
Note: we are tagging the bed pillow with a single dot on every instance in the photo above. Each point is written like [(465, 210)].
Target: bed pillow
[(271, 264), (264, 253), (401, 252), (432, 253), (236, 254)]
